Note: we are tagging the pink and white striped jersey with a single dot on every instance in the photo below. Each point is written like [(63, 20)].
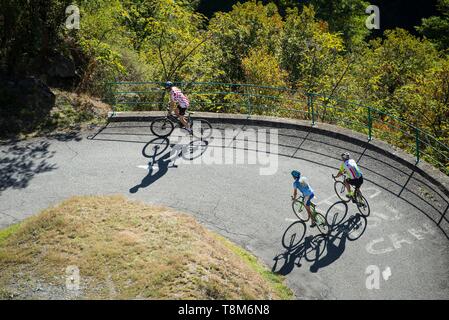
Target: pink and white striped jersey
[(177, 96)]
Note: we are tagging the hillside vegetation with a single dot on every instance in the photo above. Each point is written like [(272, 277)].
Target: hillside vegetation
[(321, 47), (126, 250)]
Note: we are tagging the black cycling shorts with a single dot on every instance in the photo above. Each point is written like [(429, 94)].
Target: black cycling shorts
[(356, 182), (182, 111)]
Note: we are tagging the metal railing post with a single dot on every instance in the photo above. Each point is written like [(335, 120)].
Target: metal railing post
[(248, 101), (248, 107), (312, 109), (308, 103), (417, 144), (112, 95), (370, 125)]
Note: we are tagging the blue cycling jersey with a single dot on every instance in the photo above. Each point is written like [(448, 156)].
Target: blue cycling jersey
[(303, 186)]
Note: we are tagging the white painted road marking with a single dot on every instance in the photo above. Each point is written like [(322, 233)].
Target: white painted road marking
[(395, 240), (376, 192), (147, 167)]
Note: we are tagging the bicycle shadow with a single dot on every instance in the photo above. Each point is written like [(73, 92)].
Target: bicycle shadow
[(164, 155), (308, 248), (320, 250), (157, 166)]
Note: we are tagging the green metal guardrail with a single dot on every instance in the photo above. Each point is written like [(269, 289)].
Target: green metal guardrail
[(284, 102)]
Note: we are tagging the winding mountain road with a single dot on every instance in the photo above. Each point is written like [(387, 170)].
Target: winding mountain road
[(399, 252)]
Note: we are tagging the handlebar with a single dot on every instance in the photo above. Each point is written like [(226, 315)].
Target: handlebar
[(335, 177)]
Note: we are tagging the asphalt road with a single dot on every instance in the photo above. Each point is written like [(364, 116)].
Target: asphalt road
[(398, 252)]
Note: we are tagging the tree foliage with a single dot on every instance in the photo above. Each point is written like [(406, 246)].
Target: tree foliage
[(436, 28), (248, 25), (30, 32), (308, 49), (309, 46)]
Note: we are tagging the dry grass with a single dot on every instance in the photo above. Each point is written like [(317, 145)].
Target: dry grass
[(127, 250)]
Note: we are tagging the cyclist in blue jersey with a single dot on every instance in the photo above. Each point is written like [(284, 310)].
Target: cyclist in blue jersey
[(302, 185)]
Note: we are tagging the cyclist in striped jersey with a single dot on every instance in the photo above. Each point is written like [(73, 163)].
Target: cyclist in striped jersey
[(353, 173), (179, 100)]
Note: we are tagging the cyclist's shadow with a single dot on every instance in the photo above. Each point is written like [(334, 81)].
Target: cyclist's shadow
[(163, 156), (350, 229), (298, 247), (322, 250), (157, 167)]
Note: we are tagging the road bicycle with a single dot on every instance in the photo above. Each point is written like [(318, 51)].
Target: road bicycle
[(357, 197), (164, 126), (301, 212)]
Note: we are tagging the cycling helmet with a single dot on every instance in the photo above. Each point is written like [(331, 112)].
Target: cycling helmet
[(345, 156), (168, 84), (296, 174)]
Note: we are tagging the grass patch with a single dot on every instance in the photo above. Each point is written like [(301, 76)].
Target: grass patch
[(276, 281), (127, 250), (5, 233)]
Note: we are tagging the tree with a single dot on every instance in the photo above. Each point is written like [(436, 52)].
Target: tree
[(386, 65), (308, 50), (29, 33), (344, 16), (262, 67), (436, 28), (234, 34), (426, 100)]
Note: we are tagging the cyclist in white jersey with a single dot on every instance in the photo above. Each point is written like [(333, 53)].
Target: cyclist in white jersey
[(353, 173), (179, 100)]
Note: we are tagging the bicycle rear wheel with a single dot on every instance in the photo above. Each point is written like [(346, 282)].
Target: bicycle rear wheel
[(300, 211), (321, 223), (363, 205), (340, 190), (201, 128), (162, 127)]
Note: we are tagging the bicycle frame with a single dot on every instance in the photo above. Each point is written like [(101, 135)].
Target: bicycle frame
[(175, 119), (317, 217), (312, 205), (344, 182), (357, 191)]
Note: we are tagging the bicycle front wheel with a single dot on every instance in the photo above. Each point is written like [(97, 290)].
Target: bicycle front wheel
[(162, 127), (321, 224), (340, 190), (201, 128), (300, 211), (363, 206)]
